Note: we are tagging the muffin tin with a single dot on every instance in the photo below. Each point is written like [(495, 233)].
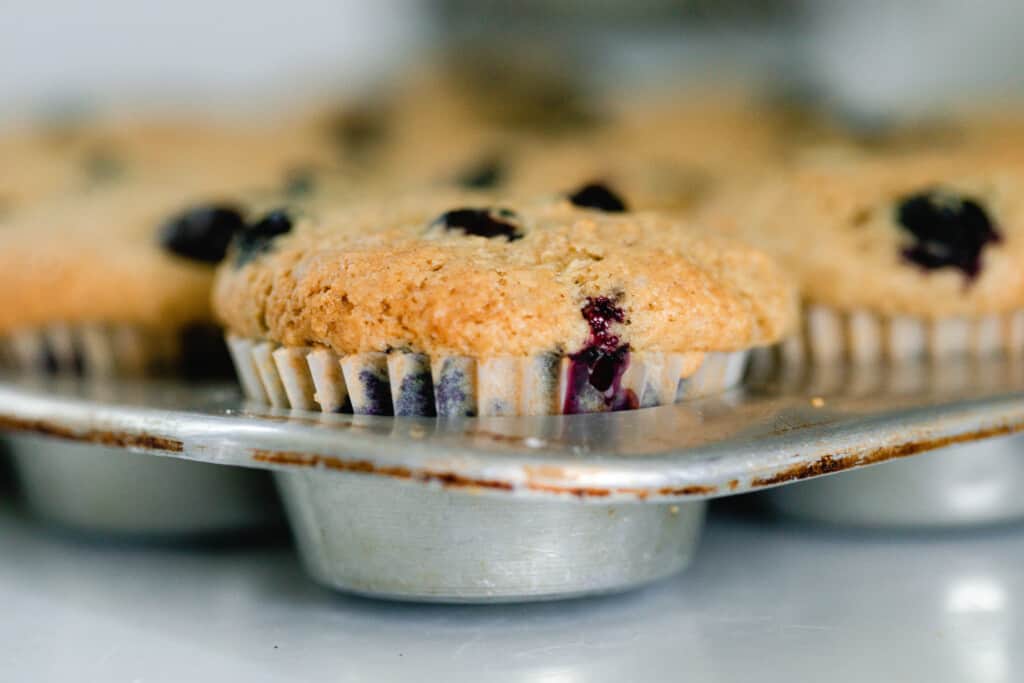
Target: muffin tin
[(98, 489), (521, 508), (967, 484)]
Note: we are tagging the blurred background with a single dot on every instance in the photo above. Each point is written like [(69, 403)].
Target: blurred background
[(869, 59)]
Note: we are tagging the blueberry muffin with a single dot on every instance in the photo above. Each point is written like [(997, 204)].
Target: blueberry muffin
[(666, 152), (726, 131), (218, 155), (112, 227), (908, 256), (644, 182), (439, 123), (114, 280), (460, 304), (44, 162)]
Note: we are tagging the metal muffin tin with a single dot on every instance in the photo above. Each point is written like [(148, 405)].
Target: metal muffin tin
[(106, 490), (516, 508), (960, 485), (974, 483)]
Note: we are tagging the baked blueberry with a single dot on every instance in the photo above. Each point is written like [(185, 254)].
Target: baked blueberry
[(950, 231), (202, 233), (600, 312), (358, 131), (488, 223), (597, 196), (485, 175), (101, 165), (603, 361), (257, 238), (299, 182)]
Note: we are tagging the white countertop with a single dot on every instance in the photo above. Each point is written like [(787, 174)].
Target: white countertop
[(766, 601)]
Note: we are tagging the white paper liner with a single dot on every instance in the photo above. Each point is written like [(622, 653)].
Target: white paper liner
[(411, 384), (92, 350), (863, 338)]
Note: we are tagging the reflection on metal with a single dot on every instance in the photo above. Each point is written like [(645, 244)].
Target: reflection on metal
[(780, 429), (968, 484), (102, 489), (368, 536)]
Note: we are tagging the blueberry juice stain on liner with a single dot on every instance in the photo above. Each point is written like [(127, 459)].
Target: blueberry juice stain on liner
[(594, 376)]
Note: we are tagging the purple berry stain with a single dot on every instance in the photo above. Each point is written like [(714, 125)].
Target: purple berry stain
[(600, 365), (949, 231)]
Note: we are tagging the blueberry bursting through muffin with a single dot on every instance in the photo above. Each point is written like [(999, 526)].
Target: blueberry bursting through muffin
[(484, 175), (257, 238), (488, 223), (204, 234), (950, 231), (597, 196), (602, 362)]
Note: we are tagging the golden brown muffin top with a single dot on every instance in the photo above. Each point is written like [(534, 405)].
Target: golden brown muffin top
[(461, 273), (923, 235)]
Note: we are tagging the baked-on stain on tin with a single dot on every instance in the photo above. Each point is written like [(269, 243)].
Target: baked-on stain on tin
[(452, 480), (143, 441), (446, 479), (827, 464)]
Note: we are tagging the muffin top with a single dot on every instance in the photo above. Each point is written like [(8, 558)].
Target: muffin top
[(87, 213), (132, 253), (645, 181), (658, 155), (731, 129), (922, 235), (47, 162), (462, 273), (436, 123)]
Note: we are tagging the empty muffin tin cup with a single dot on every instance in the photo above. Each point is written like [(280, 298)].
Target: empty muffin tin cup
[(969, 484), (111, 491), (108, 490), (409, 541)]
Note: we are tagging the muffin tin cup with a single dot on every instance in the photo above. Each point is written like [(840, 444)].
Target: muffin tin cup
[(103, 490), (970, 484), (405, 541), (853, 352)]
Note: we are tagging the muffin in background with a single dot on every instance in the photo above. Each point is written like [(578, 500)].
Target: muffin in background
[(108, 254), (47, 162), (898, 257)]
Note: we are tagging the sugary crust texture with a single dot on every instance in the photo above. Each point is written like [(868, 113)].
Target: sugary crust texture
[(665, 153), (81, 244), (832, 223), (47, 163), (375, 278), (95, 257)]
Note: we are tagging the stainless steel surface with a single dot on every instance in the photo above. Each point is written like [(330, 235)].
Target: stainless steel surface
[(377, 537), (103, 489), (764, 601), (970, 484), (778, 431)]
